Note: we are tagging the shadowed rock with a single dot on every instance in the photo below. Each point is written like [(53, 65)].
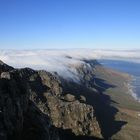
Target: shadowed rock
[(32, 106)]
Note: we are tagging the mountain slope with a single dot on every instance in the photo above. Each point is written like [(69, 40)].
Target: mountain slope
[(43, 106), (33, 106)]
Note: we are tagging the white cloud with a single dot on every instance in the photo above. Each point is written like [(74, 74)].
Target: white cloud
[(63, 62)]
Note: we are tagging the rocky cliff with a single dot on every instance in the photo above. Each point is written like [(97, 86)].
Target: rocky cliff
[(38, 105)]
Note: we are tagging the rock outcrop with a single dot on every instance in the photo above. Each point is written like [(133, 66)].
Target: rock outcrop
[(20, 119), (33, 105)]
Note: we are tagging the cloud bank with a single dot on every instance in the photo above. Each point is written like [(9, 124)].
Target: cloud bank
[(64, 62)]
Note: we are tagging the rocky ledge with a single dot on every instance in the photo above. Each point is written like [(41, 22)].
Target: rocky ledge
[(34, 105)]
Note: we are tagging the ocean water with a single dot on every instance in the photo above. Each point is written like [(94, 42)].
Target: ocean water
[(131, 68)]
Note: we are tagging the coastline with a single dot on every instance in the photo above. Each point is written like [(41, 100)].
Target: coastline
[(131, 88)]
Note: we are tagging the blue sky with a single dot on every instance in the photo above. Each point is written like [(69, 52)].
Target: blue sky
[(48, 24)]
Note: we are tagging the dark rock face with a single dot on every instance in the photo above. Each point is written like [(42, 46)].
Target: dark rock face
[(13, 104), (64, 110), (4, 67), (91, 90), (33, 105), (20, 119)]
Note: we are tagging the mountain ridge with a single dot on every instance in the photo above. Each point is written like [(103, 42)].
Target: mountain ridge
[(49, 106)]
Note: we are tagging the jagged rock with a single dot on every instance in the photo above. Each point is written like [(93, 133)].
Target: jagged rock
[(4, 67), (78, 117), (51, 81), (20, 119), (5, 75), (33, 105), (82, 98), (64, 110), (13, 104), (69, 97)]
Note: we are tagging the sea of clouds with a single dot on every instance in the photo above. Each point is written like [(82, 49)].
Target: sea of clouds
[(63, 62)]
